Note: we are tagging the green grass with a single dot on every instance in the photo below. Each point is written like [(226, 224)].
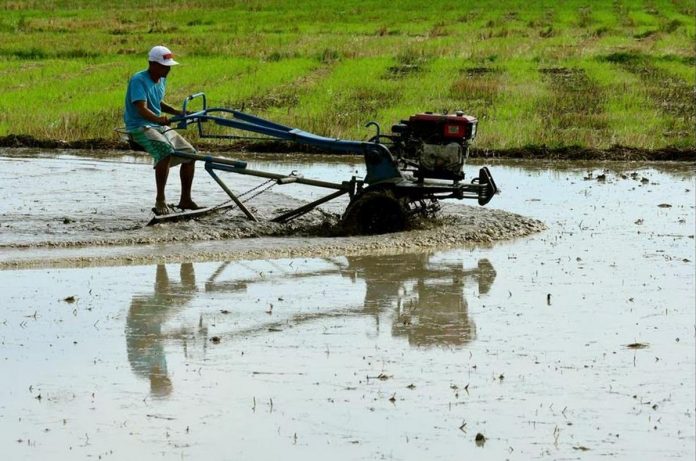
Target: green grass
[(591, 74)]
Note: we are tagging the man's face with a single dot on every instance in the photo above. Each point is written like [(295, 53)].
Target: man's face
[(158, 70), (163, 70)]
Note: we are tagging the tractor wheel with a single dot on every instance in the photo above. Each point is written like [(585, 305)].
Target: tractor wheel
[(375, 212)]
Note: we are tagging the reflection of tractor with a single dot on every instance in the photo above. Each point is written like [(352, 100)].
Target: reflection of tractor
[(426, 296), (429, 297), (423, 298), (408, 171)]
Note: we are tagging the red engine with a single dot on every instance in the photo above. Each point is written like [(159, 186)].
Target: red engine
[(435, 145), (442, 129)]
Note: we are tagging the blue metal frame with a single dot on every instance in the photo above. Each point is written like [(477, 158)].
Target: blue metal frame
[(381, 165)]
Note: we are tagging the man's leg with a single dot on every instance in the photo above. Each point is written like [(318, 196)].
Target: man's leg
[(186, 174), (161, 175), (159, 147), (187, 169)]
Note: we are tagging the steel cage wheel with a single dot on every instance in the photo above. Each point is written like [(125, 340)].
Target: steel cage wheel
[(375, 212)]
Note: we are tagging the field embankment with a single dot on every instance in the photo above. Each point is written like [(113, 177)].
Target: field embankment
[(619, 153), (563, 79)]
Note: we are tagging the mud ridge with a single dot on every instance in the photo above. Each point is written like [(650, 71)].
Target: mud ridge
[(317, 234), (532, 152)]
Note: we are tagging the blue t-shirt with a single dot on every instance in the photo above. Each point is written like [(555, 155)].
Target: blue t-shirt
[(142, 88)]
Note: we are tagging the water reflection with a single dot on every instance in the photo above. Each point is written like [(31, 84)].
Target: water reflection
[(145, 337), (419, 297), (428, 296)]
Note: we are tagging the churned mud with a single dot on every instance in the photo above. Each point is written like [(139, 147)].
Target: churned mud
[(97, 202)]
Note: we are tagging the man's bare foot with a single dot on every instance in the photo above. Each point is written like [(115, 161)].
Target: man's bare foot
[(161, 208), (191, 205)]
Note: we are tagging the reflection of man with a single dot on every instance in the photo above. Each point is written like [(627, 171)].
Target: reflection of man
[(145, 339)]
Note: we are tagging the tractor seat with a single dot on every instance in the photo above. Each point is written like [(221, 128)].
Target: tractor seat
[(125, 136), (134, 145)]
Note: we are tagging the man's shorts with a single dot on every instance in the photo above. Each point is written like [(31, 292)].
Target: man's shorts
[(162, 141)]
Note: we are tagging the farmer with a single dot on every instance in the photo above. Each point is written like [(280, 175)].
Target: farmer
[(147, 126)]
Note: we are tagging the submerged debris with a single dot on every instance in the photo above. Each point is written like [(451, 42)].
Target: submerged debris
[(381, 377)]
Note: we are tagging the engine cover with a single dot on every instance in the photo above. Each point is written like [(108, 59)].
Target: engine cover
[(442, 129)]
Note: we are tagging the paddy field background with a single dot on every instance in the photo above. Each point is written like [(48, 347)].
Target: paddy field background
[(538, 74)]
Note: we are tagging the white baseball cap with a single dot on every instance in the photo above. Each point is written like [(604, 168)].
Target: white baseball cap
[(162, 55)]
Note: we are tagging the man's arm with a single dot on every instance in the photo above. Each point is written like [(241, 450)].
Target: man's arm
[(169, 109), (147, 114)]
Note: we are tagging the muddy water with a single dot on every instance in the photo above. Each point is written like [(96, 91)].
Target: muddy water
[(576, 342)]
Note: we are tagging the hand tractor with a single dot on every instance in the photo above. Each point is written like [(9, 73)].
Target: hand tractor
[(420, 162)]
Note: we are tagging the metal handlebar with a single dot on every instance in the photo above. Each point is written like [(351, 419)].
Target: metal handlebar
[(194, 96), (376, 125)]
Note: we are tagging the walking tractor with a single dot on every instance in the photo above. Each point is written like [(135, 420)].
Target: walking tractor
[(408, 171)]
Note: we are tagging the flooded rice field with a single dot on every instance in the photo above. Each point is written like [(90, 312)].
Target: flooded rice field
[(558, 322)]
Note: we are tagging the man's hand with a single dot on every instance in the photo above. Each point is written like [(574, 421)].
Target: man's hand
[(147, 114)]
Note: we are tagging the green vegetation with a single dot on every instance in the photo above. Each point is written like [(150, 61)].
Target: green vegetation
[(558, 74)]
